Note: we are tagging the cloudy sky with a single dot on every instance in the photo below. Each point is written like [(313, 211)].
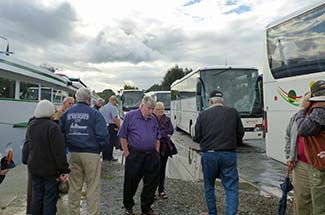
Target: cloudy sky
[(111, 43)]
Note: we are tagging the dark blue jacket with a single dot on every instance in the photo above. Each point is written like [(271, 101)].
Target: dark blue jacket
[(84, 129)]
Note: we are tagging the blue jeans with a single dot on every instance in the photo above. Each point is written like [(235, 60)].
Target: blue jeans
[(223, 165), (45, 195)]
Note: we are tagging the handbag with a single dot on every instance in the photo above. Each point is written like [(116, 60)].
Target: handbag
[(63, 187), (173, 148), (25, 152)]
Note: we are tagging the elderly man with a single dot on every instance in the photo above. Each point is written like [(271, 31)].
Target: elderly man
[(311, 125), (110, 114), (99, 103), (139, 135), (86, 135), (66, 104), (219, 130)]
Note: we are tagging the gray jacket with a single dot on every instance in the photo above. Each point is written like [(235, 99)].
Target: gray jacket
[(291, 138)]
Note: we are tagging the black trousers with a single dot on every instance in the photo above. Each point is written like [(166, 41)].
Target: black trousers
[(113, 141), (163, 164), (140, 165)]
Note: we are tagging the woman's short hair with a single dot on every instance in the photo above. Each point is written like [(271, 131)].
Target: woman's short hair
[(160, 105), (44, 108), (83, 95)]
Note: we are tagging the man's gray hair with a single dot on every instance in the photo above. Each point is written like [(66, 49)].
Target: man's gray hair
[(148, 100), (217, 100), (83, 95), (100, 100)]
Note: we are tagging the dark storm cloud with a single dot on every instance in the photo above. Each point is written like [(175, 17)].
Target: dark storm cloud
[(28, 22)]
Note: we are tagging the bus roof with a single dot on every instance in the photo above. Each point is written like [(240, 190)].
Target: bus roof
[(294, 14), (22, 68), (212, 68), (132, 91), (160, 91)]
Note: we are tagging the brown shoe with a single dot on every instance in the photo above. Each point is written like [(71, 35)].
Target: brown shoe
[(150, 212), (129, 212)]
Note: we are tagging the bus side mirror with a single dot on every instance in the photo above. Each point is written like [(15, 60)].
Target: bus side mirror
[(199, 102), (198, 88), (122, 98)]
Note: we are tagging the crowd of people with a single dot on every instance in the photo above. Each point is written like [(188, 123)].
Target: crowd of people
[(72, 140), (69, 148)]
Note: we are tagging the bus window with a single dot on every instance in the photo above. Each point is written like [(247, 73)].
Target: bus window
[(294, 50), (131, 99), (57, 96), (238, 87), (28, 91), (7, 88), (46, 93), (164, 98)]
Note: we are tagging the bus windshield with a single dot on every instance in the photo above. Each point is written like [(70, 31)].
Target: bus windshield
[(295, 47), (239, 87), (131, 99), (164, 98)]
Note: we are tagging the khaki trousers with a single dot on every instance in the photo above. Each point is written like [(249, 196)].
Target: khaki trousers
[(85, 167), (317, 185), (302, 204)]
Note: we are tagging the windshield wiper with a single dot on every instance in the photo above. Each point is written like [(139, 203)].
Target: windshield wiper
[(249, 113)]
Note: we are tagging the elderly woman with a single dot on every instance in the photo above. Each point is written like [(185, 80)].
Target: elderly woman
[(67, 103), (47, 160), (166, 130)]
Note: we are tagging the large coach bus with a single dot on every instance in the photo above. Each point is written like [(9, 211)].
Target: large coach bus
[(130, 100), (22, 86), (295, 58), (241, 87)]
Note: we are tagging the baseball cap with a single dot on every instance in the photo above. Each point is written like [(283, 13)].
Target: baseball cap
[(318, 91), (215, 93)]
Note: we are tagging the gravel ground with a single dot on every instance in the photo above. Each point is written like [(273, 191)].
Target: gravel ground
[(185, 198)]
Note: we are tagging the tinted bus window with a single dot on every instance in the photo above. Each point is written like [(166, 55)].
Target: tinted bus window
[(7, 88), (46, 93), (28, 91), (296, 47)]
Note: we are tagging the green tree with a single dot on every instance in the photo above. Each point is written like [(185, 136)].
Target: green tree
[(106, 94), (172, 75), (155, 87), (129, 87)]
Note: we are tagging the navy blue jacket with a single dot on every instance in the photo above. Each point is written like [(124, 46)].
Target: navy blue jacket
[(84, 129)]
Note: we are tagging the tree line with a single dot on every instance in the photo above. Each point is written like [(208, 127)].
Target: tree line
[(171, 75)]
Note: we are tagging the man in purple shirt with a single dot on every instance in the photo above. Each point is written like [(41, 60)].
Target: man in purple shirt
[(139, 136)]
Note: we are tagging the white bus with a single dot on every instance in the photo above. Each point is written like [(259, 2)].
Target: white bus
[(161, 96), (241, 87), (295, 58), (22, 85), (130, 100)]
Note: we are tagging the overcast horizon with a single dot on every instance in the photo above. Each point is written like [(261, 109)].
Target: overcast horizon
[(112, 43)]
